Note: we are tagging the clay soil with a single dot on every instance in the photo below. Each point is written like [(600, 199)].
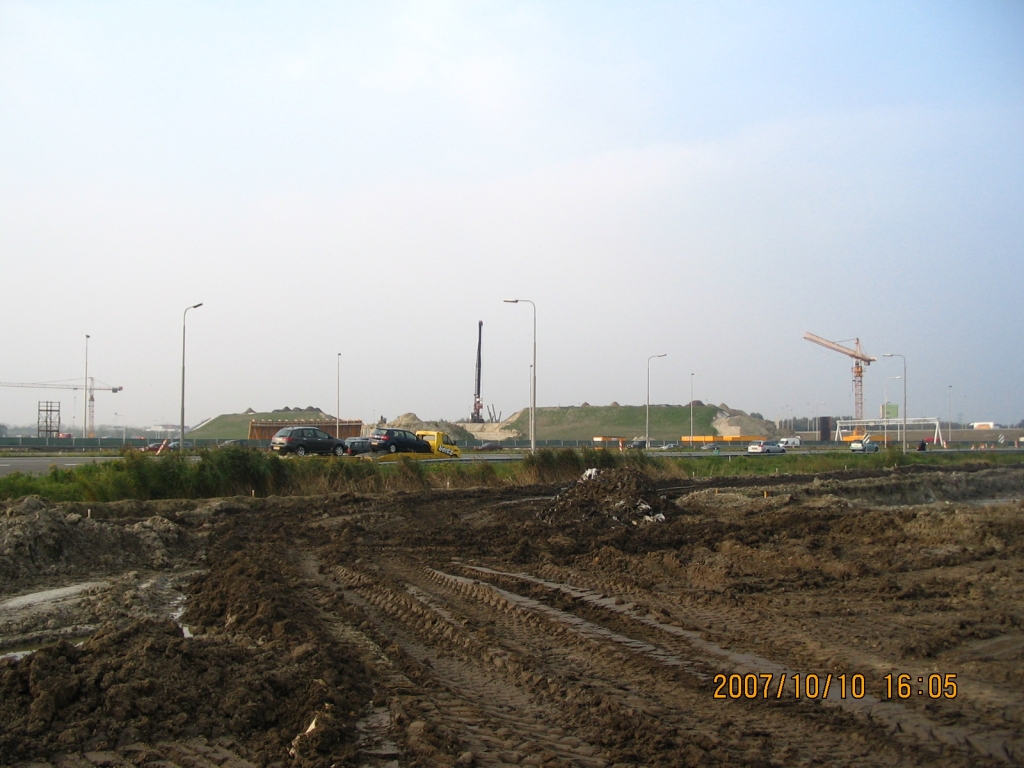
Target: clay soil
[(580, 625)]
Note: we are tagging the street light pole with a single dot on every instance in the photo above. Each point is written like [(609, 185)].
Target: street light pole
[(181, 437), (85, 400), (647, 428), (896, 354), (885, 420), (533, 376), (691, 411), (337, 413), (950, 440)]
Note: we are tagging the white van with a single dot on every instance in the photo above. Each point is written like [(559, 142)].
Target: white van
[(790, 442)]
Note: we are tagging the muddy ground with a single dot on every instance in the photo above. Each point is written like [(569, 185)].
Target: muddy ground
[(582, 625)]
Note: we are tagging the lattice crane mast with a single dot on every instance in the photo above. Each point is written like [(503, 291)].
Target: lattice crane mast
[(859, 361)]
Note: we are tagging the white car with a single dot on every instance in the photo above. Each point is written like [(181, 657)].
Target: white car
[(765, 446)]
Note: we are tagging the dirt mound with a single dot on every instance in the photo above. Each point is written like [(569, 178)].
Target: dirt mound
[(148, 682), (624, 496), (260, 671), (729, 421), (412, 422), (39, 541)]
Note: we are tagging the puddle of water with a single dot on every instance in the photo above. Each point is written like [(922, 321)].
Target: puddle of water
[(178, 608), (48, 595), (991, 502), (20, 652)]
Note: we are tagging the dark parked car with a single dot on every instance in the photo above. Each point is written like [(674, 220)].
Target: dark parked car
[(303, 440), (397, 441), (356, 445), (489, 446), (235, 444), (637, 444)]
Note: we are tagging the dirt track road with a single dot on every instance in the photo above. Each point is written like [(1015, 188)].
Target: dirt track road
[(507, 627)]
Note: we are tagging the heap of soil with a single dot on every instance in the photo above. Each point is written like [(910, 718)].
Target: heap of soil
[(623, 496), (39, 541), (261, 675), (412, 422)]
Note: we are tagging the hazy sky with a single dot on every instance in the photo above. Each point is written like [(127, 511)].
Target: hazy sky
[(704, 179)]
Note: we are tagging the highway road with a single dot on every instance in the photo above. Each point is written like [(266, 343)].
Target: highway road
[(38, 465)]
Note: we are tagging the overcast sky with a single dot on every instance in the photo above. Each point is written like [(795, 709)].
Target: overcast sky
[(704, 179)]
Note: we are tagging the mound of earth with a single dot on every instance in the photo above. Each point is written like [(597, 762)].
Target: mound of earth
[(38, 541), (261, 675), (412, 422), (624, 496), (732, 422)]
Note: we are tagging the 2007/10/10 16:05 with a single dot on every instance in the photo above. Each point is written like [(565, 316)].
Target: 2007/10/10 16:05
[(813, 686)]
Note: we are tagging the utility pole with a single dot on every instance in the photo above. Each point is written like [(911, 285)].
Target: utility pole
[(950, 415), (85, 384), (181, 439), (691, 411), (647, 428), (533, 376)]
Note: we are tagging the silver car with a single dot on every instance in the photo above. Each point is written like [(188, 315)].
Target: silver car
[(765, 446), (863, 446)]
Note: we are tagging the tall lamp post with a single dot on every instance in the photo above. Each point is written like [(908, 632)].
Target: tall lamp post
[(647, 428), (85, 400), (181, 438), (337, 413), (950, 415), (896, 354), (533, 376), (691, 411), (885, 420)]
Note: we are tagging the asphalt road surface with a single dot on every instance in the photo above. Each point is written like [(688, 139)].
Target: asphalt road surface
[(38, 465)]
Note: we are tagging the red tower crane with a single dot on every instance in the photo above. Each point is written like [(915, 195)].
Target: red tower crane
[(859, 361)]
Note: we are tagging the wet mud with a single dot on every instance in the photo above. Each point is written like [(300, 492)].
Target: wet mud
[(606, 622)]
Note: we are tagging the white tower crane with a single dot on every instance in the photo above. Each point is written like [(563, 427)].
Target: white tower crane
[(89, 428)]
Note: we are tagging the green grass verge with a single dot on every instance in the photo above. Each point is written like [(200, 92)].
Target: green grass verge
[(234, 472)]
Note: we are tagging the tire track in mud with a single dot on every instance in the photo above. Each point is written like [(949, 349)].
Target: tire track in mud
[(1004, 744), (559, 664), (464, 687)]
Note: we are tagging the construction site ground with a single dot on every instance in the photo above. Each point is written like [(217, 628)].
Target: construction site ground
[(585, 624)]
